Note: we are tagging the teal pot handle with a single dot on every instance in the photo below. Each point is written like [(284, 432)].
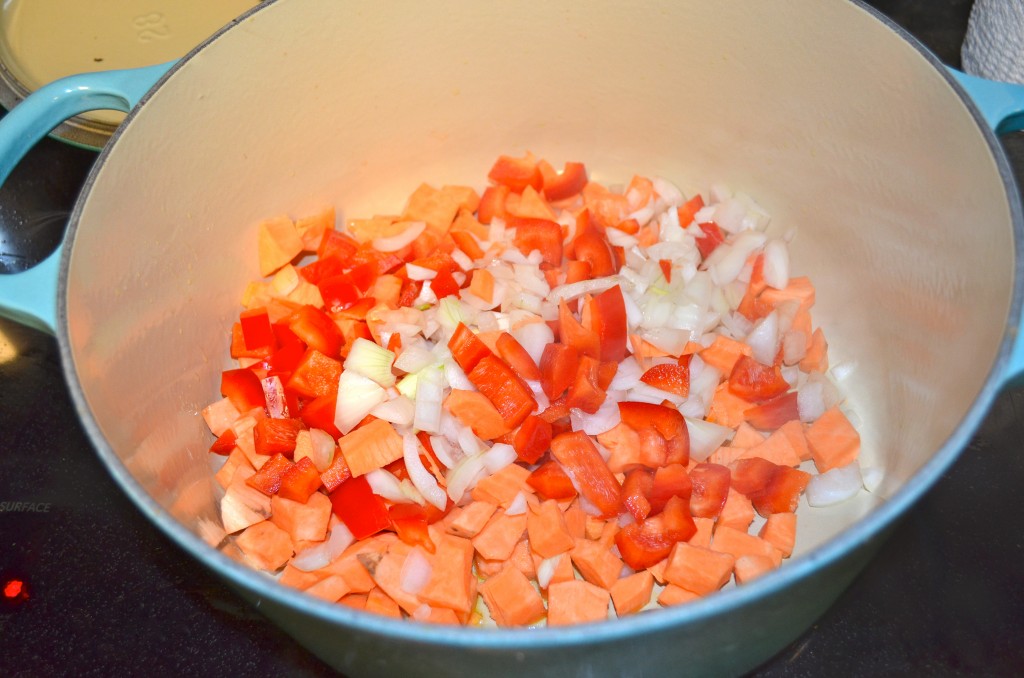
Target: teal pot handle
[(1002, 105), (30, 297)]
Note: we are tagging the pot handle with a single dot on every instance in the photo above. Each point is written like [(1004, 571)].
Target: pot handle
[(1002, 105), (30, 297)]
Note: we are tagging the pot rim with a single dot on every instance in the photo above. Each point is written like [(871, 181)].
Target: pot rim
[(857, 535)]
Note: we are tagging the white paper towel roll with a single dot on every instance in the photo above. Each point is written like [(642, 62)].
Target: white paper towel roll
[(994, 45)]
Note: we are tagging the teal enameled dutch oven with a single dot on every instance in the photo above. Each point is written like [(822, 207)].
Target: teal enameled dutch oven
[(838, 123)]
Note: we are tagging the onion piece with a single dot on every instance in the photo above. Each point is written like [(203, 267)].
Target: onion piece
[(323, 450), (517, 506), (416, 570), (399, 410), (273, 395), (605, 419), (429, 393), (399, 240), (327, 551), (705, 437), (763, 339), (872, 477), (385, 484), (498, 457), (776, 264), (627, 375), (371, 361), (835, 485), (423, 479), (357, 395), (464, 476), (578, 289), (546, 570), (534, 336)]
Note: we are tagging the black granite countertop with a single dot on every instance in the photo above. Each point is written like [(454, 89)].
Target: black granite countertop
[(109, 594)]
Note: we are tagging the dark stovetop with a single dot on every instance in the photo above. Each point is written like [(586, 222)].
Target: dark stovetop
[(109, 594)]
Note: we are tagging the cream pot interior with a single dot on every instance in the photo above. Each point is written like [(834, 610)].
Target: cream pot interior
[(842, 130)]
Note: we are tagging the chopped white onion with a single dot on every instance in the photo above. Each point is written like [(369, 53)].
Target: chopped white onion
[(464, 476), (323, 450), (327, 551), (372, 361), (835, 485), (776, 264), (385, 484), (578, 289), (423, 479), (606, 418), (357, 395), (455, 377), (533, 337), (546, 570), (764, 339), (517, 506), (810, 401), (872, 477), (273, 395), (399, 240), (627, 375), (498, 457), (429, 394), (414, 357), (705, 437), (416, 570), (399, 410)]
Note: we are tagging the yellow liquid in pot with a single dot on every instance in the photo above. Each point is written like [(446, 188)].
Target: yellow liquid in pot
[(43, 40)]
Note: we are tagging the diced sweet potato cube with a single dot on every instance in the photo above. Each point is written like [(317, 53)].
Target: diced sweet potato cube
[(302, 521), (547, 531), (278, 243), (750, 567), (265, 545), (502, 487), (779, 530), (471, 519), (370, 447), (498, 538), (738, 543), (675, 595), (330, 588), (451, 577), (596, 562), (630, 594), (833, 441), (576, 602), (737, 513), (511, 598), (697, 569)]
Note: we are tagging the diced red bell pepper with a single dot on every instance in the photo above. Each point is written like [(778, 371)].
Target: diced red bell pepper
[(300, 481), (410, 523), (285, 359), (773, 413), (243, 388), (592, 246), (335, 474), (771, 488), (502, 386), (688, 211), (256, 329), (323, 268), (317, 329), (492, 204), (608, 321), (549, 481), (556, 411), (755, 382), (636, 487), (319, 413), (666, 269), (338, 292), (572, 333), (710, 489), (316, 375), (532, 439), (668, 377), (444, 285), (276, 436), (558, 366), (363, 512), (576, 271), (238, 349), (516, 173), (567, 184), (410, 291), (667, 421), (386, 262), (679, 525), (670, 480), (584, 392), (268, 478), (224, 443), (542, 235), (512, 352), (467, 349), (337, 244), (711, 239), (575, 451), (644, 544), (605, 374), (364, 275)]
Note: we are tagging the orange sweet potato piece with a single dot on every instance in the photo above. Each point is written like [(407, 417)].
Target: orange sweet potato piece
[(471, 518), (576, 602), (727, 408), (386, 570), (737, 513), (799, 290), (596, 563), (675, 595), (738, 543), (278, 243), (498, 538), (794, 431), (723, 353), (371, 446), (698, 569), (750, 567), (381, 603), (705, 527), (296, 578), (546, 529), (474, 410), (630, 594), (451, 582), (330, 589), (776, 448), (302, 521), (265, 546), (357, 601), (575, 519), (816, 358), (502, 487), (779, 530), (833, 441), (511, 598), (746, 436)]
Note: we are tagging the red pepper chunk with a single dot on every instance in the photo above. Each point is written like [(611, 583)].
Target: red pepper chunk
[(444, 285), (773, 413), (549, 481), (688, 211), (542, 235), (584, 392), (516, 173), (316, 375), (243, 388), (644, 544), (532, 439), (467, 349), (268, 478), (711, 239), (337, 473), (338, 292), (492, 204), (679, 525), (636, 488), (300, 481), (558, 366), (316, 328), (363, 512), (592, 246), (573, 333), (567, 184), (224, 443), (670, 378), (755, 382), (575, 451), (256, 329), (410, 524), (512, 352), (502, 386), (608, 321), (337, 244), (319, 413), (771, 488), (670, 480), (710, 489), (276, 436)]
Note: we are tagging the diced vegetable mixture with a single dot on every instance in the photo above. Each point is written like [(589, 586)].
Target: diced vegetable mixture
[(554, 401)]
